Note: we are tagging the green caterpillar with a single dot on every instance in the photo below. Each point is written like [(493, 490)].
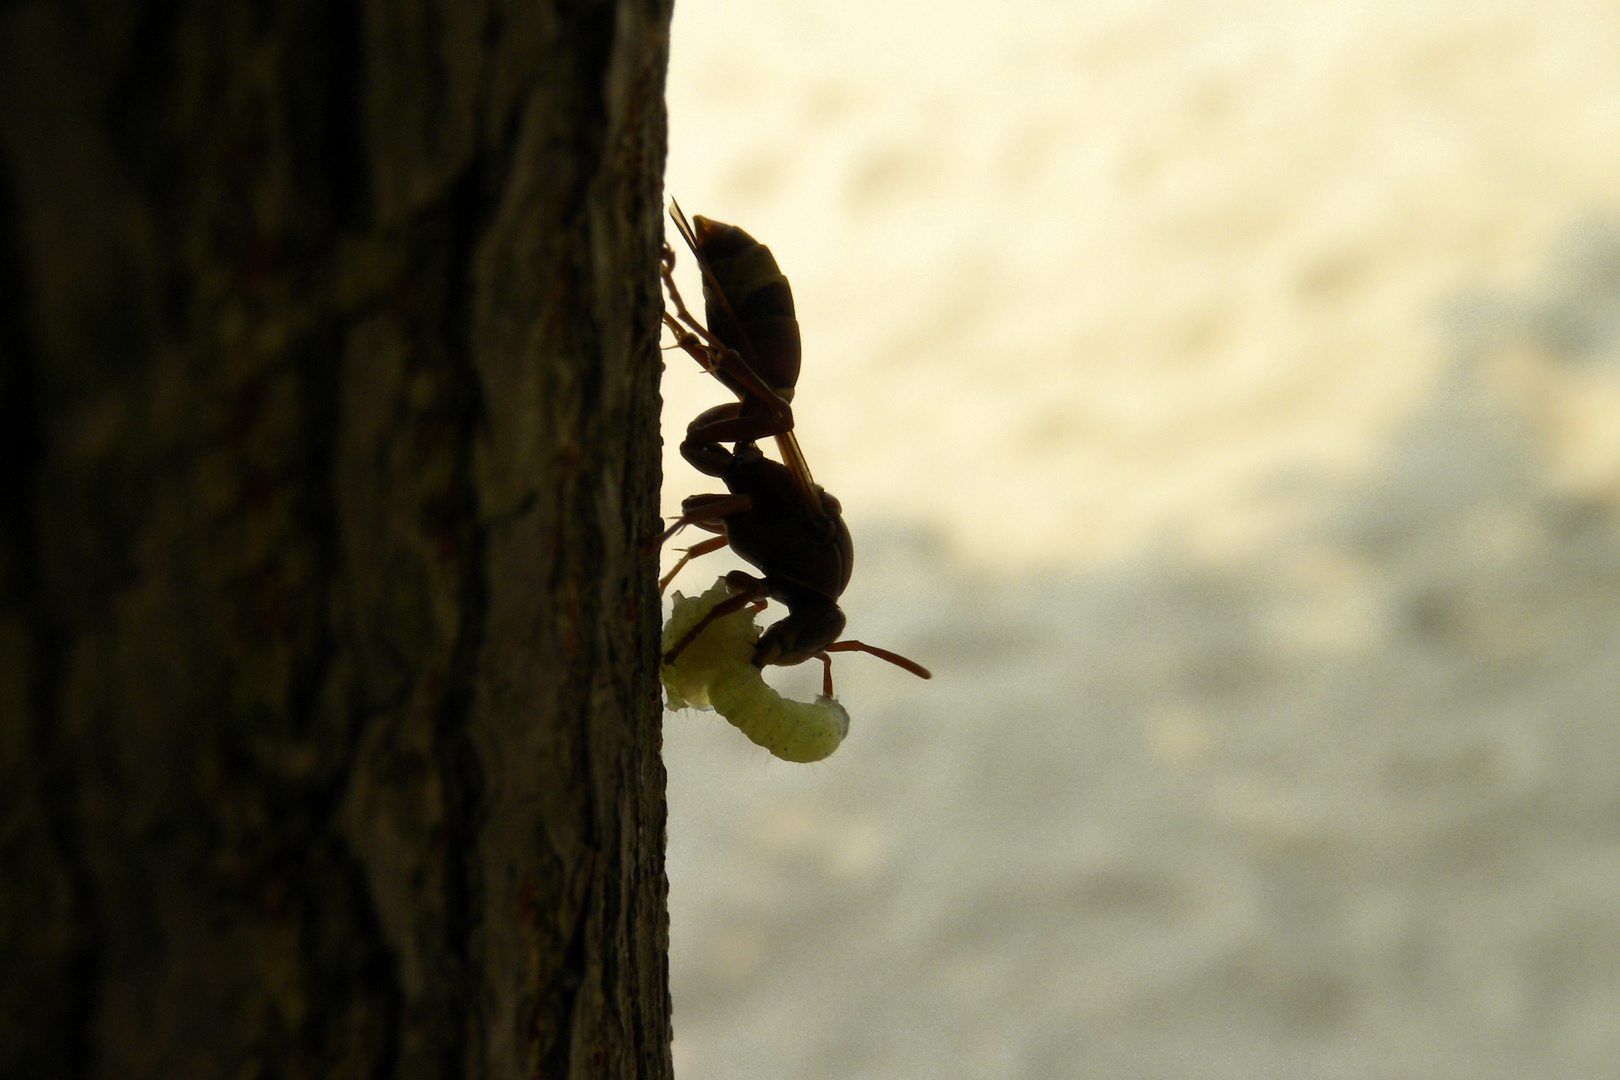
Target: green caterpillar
[(717, 671)]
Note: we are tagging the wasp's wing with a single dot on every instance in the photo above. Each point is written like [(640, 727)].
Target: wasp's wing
[(793, 458), (684, 227)]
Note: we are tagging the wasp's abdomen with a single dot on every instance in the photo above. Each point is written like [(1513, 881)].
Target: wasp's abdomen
[(765, 327)]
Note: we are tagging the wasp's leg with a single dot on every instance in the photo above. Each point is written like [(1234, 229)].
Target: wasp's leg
[(718, 359), (696, 510), (714, 543), (706, 356), (690, 335), (733, 422), (742, 595), (728, 366), (826, 674)]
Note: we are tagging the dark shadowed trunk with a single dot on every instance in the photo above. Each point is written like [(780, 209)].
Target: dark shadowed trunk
[(328, 427)]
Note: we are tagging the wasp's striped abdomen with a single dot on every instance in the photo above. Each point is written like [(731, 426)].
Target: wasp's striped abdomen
[(752, 311)]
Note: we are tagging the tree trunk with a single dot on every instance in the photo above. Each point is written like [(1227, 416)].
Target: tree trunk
[(328, 419)]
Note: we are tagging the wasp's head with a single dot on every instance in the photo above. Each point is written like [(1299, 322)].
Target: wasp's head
[(800, 636)]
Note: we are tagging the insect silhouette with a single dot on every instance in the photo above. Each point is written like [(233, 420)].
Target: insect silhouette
[(774, 515)]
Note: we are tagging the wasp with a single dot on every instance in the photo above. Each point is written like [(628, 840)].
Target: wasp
[(774, 515)]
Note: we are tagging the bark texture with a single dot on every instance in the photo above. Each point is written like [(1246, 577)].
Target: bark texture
[(328, 425)]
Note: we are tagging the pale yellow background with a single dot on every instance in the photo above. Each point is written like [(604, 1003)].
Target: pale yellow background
[(1225, 402)]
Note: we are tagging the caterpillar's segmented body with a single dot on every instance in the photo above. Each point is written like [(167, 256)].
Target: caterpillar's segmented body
[(717, 671)]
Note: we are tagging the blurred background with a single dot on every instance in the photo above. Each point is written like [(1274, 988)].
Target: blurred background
[(1225, 401)]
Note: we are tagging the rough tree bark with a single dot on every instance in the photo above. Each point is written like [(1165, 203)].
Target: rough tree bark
[(328, 426)]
